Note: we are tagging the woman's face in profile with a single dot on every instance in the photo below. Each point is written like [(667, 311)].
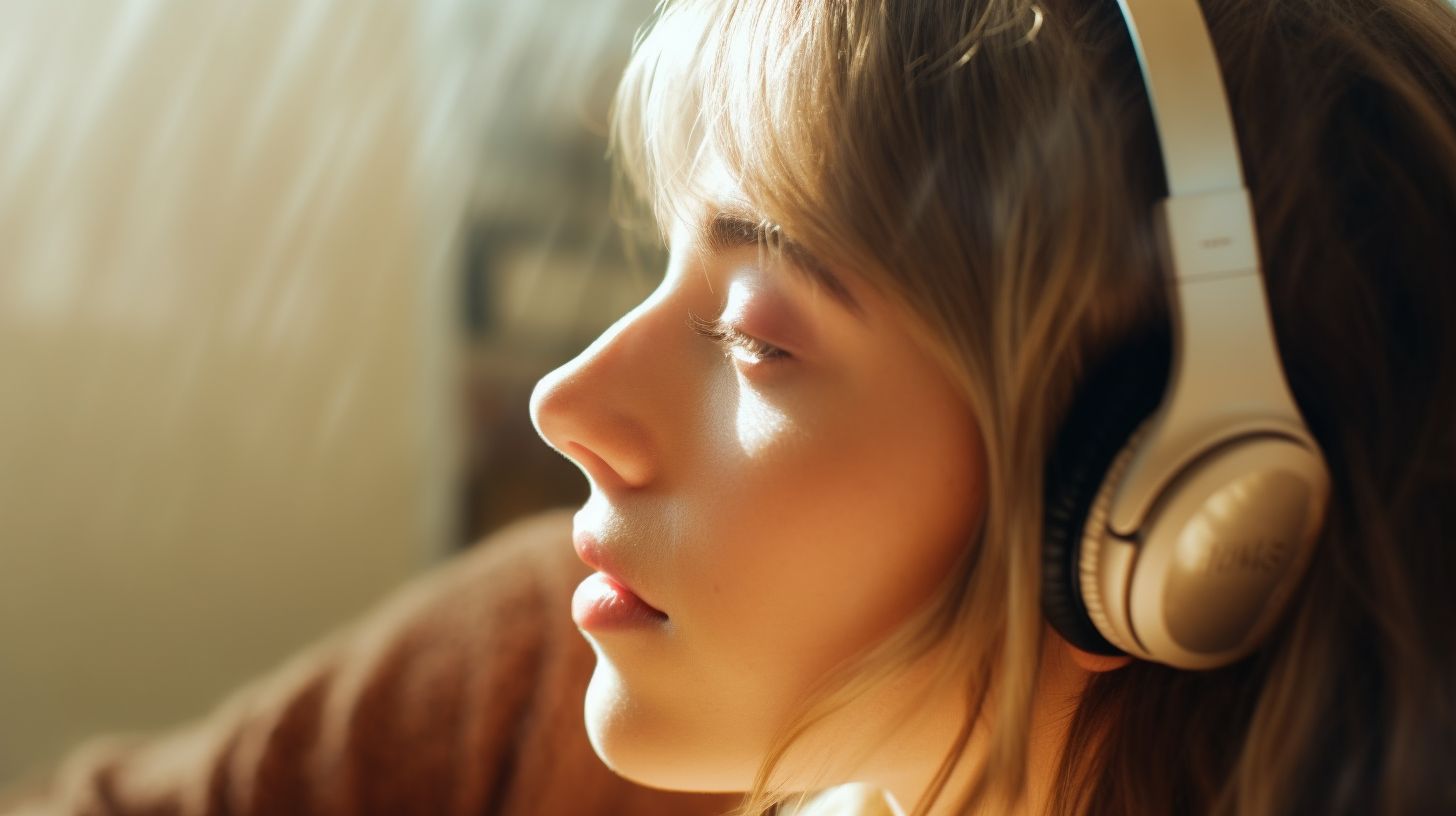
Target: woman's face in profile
[(782, 512)]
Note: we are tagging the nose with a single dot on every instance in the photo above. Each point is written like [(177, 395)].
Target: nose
[(594, 409)]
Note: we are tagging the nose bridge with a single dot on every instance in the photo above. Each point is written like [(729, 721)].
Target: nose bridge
[(598, 409)]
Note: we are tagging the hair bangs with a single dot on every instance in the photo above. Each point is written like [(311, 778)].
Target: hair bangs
[(656, 134), (742, 88)]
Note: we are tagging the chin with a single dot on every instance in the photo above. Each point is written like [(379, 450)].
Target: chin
[(642, 745)]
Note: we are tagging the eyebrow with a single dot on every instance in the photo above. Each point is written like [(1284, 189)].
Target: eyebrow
[(733, 228)]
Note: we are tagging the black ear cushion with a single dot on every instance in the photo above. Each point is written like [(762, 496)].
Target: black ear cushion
[(1116, 397)]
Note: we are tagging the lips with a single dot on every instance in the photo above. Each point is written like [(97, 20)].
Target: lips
[(590, 550)]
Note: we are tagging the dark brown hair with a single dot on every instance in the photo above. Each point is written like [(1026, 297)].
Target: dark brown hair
[(1346, 115)]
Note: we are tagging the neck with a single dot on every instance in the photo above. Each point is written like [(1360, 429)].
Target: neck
[(1055, 700)]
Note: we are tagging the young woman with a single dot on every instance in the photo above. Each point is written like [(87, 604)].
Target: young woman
[(905, 236)]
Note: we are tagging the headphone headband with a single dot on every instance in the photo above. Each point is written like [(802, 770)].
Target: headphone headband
[(1179, 536), (1226, 376), (1196, 132)]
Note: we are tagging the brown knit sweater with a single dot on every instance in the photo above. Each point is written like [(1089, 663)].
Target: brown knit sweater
[(460, 694)]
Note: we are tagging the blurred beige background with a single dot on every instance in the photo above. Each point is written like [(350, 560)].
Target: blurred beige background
[(275, 280)]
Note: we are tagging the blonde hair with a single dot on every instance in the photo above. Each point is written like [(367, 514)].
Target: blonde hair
[(990, 167)]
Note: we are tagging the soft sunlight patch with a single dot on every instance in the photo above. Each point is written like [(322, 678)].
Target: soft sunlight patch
[(757, 423)]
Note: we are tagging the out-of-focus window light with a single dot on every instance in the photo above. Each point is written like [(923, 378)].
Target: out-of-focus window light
[(275, 281)]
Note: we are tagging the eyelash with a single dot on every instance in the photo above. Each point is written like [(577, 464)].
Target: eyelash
[(730, 338)]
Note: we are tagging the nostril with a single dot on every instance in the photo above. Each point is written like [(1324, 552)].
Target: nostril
[(597, 469), (602, 442)]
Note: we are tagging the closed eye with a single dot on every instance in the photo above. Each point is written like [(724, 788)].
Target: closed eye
[(735, 343)]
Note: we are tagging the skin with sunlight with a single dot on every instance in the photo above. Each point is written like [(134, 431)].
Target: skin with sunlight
[(784, 474)]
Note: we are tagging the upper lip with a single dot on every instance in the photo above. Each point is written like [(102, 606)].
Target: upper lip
[(590, 550)]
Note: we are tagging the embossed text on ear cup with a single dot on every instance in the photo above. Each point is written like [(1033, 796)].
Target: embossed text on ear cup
[(1221, 552)]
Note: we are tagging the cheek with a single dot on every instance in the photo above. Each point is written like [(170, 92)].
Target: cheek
[(818, 543)]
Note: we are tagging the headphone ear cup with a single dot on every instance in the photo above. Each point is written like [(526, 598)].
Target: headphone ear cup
[(1223, 549), (1112, 403)]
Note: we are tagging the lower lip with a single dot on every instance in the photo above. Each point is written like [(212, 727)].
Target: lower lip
[(601, 603)]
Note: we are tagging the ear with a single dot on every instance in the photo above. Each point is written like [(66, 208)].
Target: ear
[(1095, 662)]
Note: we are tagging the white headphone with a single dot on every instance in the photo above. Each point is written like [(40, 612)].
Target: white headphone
[(1178, 536)]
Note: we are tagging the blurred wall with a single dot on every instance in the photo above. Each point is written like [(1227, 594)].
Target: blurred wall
[(228, 280), (545, 267)]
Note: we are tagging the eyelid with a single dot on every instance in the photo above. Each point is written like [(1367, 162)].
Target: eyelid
[(731, 338)]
